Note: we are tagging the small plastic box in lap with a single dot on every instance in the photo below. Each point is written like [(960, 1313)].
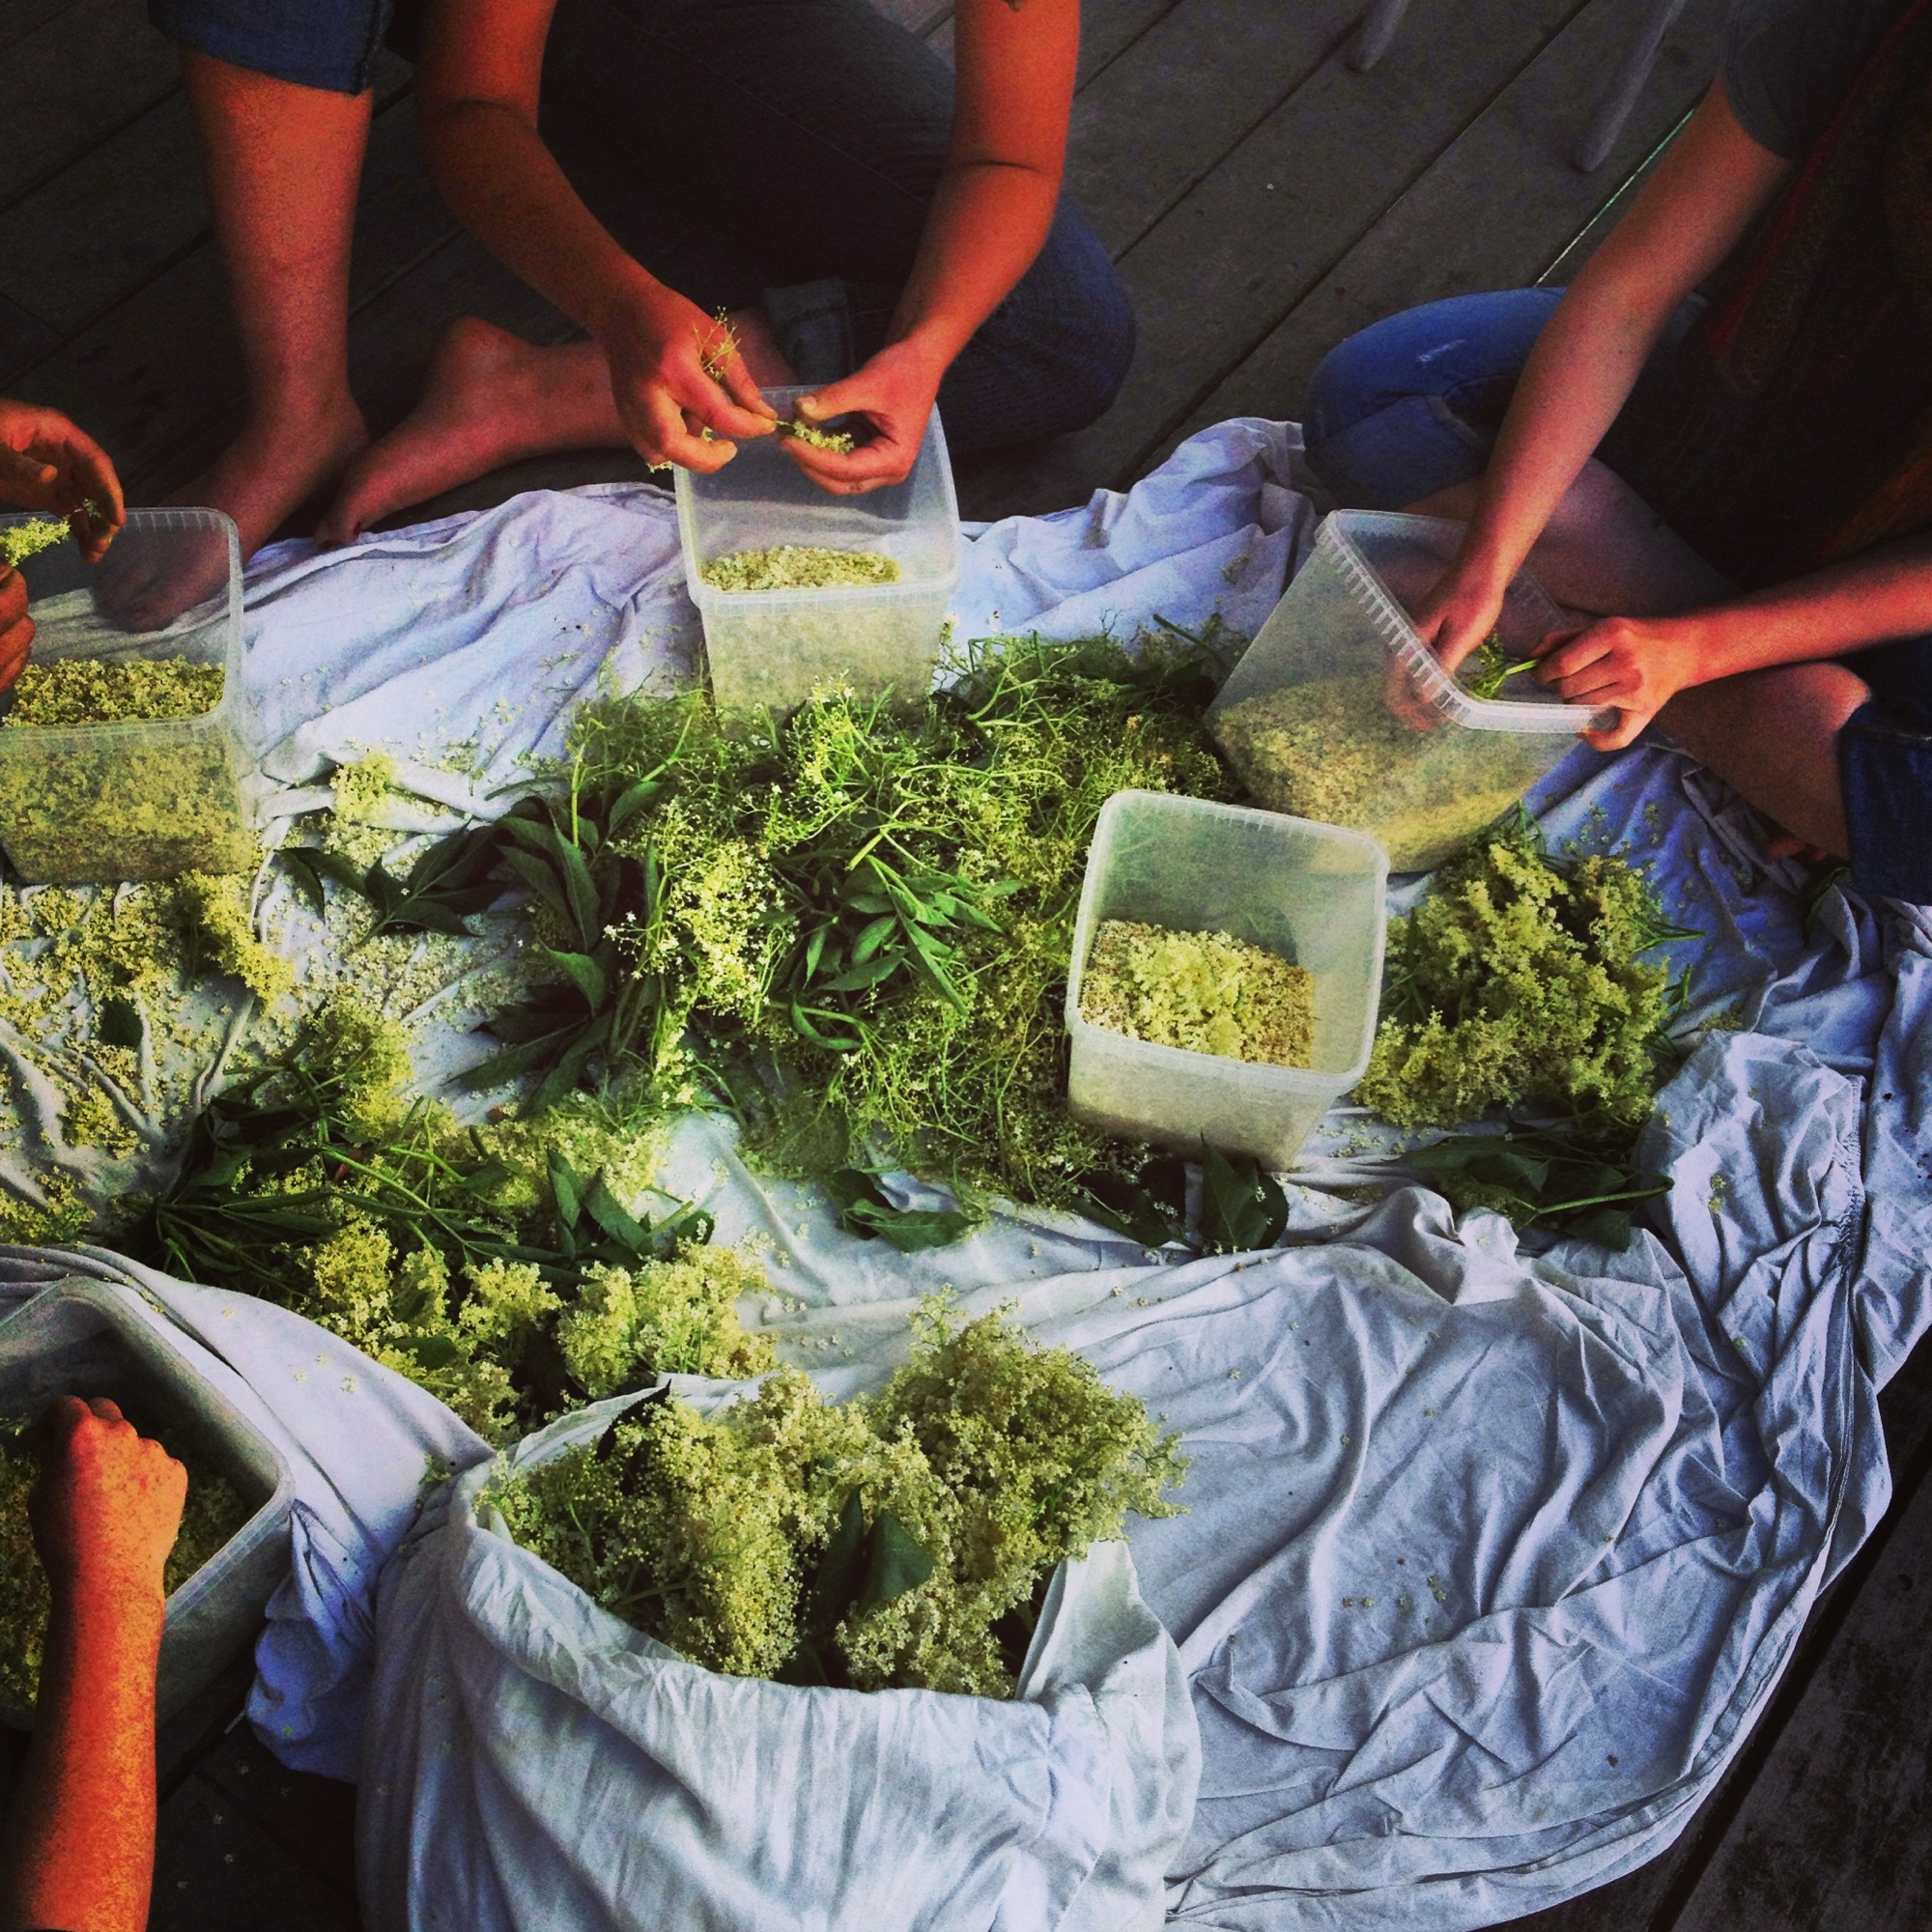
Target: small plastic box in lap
[(773, 649), (1311, 893), (1338, 711), (81, 1337), (140, 797)]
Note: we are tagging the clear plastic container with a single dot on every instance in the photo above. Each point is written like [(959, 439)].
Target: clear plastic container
[(140, 799), (79, 1338), (1312, 894), (773, 649), (1338, 711)]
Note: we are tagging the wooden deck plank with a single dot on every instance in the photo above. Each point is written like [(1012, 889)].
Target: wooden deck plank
[(25, 339), (20, 18), (81, 243), (1167, 112), (1832, 1834), (154, 372), (72, 83), (1513, 158), (1220, 272)]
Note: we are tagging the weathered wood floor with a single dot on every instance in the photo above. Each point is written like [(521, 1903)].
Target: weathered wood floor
[(1262, 199)]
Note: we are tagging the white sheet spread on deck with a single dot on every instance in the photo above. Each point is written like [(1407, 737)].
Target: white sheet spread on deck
[(1490, 1558)]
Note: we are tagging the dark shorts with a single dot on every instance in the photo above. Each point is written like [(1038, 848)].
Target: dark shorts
[(792, 167), (1411, 405), (325, 43)]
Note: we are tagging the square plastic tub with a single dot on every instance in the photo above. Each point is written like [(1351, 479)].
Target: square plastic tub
[(140, 799), (80, 1338), (1312, 894), (1338, 711), (773, 649)]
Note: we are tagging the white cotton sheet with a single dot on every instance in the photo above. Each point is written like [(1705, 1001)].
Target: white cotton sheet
[(1490, 1556)]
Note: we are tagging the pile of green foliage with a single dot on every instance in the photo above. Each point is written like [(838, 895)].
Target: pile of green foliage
[(901, 1541), (1521, 984), (211, 1518), (852, 926), (481, 1263)]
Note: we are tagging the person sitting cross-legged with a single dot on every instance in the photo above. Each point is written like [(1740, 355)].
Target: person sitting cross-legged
[(1719, 438)]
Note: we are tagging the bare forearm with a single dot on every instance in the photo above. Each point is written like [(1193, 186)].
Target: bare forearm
[(987, 222), (1875, 599), (505, 186), (1579, 376), (80, 1845)]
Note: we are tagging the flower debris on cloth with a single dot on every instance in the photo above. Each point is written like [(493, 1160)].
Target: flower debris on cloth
[(1205, 992)]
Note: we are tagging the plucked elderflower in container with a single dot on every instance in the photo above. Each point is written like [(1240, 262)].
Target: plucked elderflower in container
[(1340, 712), (121, 756), (1207, 992), (1236, 997), (803, 592)]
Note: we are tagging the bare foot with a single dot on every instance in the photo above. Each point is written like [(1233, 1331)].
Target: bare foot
[(274, 466), (488, 399)]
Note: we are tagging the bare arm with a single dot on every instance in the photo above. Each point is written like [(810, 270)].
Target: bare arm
[(79, 1849), (476, 99), (996, 200), (1690, 215), (1638, 665)]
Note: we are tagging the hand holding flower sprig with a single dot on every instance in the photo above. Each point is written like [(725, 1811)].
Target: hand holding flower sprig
[(48, 463)]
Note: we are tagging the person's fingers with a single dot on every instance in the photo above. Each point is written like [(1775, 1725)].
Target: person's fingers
[(708, 404), (1620, 736), (869, 466), (742, 387), (1563, 653), (835, 399), (667, 439), (26, 477)]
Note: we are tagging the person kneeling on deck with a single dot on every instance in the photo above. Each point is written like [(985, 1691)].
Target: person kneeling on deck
[(1755, 526), (79, 1851), (816, 202)]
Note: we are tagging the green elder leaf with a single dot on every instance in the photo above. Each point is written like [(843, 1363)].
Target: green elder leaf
[(1243, 1206), (895, 1564)]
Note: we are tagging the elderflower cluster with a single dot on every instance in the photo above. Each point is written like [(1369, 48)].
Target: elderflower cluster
[(1520, 980), (677, 1316), (992, 1458)]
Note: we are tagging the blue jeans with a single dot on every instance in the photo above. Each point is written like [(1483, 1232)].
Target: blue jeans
[(781, 153), (1411, 405)]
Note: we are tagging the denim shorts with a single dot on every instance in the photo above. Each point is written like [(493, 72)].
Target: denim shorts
[(325, 43), (1411, 405)]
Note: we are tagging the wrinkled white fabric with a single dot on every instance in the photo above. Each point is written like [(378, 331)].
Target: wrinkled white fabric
[(541, 1765), (1628, 1476)]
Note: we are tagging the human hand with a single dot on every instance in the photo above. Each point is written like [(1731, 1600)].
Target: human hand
[(1636, 665), (107, 1506), (894, 392), (675, 371), (48, 463), (1460, 610), (17, 628)]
